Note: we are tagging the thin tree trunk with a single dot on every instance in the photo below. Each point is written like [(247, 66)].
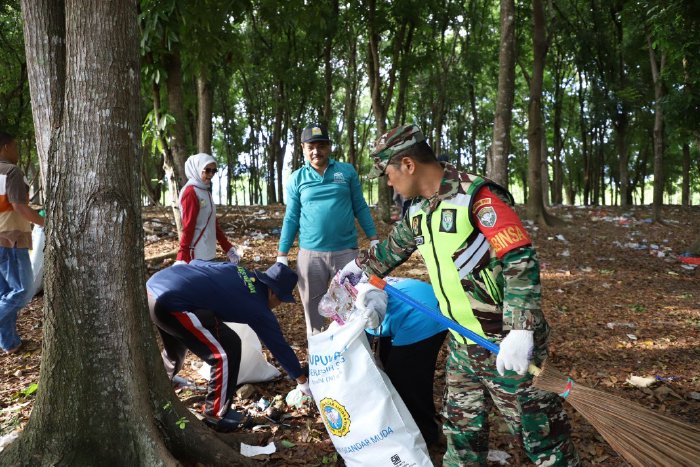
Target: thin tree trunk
[(544, 169), (351, 101), (205, 97), (168, 162), (177, 110), (535, 132), (685, 185), (403, 80), (657, 69), (274, 144), (621, 121), (497, 163), (557, 186), (380, 104), (474, 129), (584, 142)]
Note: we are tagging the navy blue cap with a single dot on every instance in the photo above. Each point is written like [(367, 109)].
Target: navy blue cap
[(281, 279)]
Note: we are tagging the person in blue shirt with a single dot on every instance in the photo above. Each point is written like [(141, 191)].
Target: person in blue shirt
[(324, 197), (409, 343), (190, 303)]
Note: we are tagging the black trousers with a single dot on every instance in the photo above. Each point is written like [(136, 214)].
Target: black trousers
[(411, 369), (206, 336)]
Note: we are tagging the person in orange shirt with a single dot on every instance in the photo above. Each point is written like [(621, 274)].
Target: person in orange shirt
[(16, 217)]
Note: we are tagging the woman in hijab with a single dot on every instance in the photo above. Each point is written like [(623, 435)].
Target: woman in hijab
[(200, 229)]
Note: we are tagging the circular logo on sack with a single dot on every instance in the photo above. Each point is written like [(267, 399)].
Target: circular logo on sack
[(335, 416)]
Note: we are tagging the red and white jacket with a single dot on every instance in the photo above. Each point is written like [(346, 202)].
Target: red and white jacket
[(200, 229)]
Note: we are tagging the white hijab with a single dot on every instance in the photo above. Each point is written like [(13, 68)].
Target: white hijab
[(193, 169)]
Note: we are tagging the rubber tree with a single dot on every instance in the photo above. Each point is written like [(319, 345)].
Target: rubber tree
[(497, 160), (103, 397)]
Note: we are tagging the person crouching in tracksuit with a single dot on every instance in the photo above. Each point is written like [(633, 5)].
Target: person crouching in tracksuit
[(190, 303)]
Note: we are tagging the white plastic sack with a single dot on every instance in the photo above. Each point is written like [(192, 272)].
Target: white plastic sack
[(254, 368), (366, 419), (36, 256)]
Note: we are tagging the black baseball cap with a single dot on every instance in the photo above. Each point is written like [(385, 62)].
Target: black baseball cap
[(315, 132)]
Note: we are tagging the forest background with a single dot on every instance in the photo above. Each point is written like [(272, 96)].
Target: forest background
[(566, 102), (613, 86)]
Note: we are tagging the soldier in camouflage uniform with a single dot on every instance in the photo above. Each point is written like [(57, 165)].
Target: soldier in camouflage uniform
[(485, 274)]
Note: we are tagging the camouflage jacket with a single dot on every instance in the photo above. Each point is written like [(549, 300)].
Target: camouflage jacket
[(502, 294)]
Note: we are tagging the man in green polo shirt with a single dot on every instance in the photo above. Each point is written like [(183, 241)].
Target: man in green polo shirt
[(324, 197)]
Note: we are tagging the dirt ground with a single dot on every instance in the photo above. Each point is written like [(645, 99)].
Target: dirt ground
[(619, 301)]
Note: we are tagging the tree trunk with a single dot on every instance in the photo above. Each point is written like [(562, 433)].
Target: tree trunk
[(351, 101), (176, 108), (600, 167), (584, 141), (475, 128), (497, 164), (205, 97), (327, 115), (400, 116), (103, 396), (169, 165), (685, 186), (544, 167), (46, 83), (535, 130), (274, 144), (379, 105), (621, 121), (659, 143), (229, 130), (557, 186)]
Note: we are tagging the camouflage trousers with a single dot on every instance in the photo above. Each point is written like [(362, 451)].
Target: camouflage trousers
[(534, 417)]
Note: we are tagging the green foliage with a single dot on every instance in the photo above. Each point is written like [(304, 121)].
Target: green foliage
[(29, 390), (266, 63), (182, 422), (287, 444)]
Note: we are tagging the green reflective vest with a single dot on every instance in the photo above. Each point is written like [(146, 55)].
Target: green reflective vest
[(463, 269)]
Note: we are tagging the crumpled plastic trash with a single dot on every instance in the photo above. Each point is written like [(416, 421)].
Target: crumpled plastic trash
[(263, 404), (252, 451), (338, 303), (296, 398), (666, 378), (641, 381), (620, 325)]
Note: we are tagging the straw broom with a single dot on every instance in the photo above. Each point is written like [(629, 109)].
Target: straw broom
[(642, 436)]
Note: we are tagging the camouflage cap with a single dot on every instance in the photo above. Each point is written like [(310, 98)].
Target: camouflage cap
[(392, 143)]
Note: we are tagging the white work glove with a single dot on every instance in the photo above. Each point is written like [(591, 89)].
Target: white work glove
[(178, 262), (305, 388), (371, 302), (283, 259), (515, 352), (233, 255), (373, 242), (351, 272)]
